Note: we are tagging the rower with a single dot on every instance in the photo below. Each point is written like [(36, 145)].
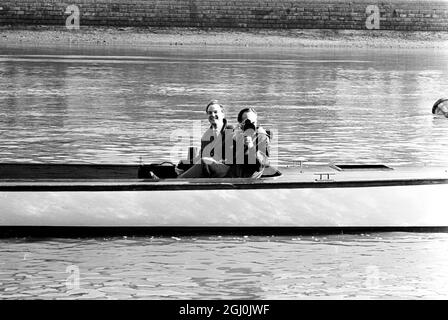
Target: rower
[(216, 144), (440, 107)]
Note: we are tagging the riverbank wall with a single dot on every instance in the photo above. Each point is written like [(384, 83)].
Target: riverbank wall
[(411, 15)]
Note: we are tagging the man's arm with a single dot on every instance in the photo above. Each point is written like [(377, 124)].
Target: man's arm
[(263, 149)]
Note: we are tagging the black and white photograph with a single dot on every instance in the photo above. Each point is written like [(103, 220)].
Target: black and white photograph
[(242, 151)]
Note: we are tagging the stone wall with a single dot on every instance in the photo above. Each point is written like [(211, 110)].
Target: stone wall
[(415, 15)]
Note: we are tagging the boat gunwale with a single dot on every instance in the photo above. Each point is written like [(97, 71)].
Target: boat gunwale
[(216, 184)]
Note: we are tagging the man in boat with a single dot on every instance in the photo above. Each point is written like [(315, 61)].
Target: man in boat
[(440, 107), (251, 146), (216, 146)]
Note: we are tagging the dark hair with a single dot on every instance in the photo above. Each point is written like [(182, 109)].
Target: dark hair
[(212, 103), (436, 104), (243, 111)]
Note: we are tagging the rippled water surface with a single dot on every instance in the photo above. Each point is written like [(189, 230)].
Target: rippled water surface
[(363, 266), (325, 105), (116, 105)]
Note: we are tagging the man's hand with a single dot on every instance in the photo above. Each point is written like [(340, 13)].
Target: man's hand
[(249, 142)]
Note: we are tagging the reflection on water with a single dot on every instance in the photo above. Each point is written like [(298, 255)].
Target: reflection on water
[(380, 266), (325, 105)]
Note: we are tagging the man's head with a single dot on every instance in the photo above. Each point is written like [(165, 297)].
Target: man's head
[(441, 107), (247, 114), (215, 113)]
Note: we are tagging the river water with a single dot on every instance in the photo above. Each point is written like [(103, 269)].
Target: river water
[(86, 105)]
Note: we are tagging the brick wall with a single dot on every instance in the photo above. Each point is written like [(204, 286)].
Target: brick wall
[(326, 14)]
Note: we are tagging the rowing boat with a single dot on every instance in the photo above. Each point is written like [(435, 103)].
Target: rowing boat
[(46, 199)]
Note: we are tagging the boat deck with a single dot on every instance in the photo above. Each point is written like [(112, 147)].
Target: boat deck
[(35, 177)]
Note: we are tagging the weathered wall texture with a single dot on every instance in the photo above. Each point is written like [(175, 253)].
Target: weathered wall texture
[(327, 14)]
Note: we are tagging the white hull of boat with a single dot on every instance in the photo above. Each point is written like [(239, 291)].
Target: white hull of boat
[(372, 206)]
